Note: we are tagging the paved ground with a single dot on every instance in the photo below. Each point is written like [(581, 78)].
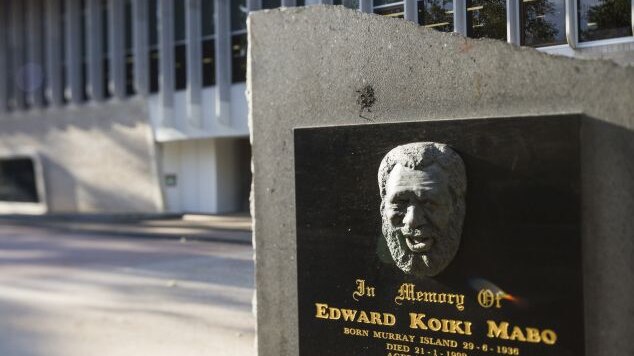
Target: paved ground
[(71, 293)]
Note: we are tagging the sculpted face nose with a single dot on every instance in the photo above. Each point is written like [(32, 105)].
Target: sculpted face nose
[(413, 217)]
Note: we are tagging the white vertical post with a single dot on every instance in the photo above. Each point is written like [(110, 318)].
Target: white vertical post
[(223, 61), (460, 16), (571, 23), (95, 50), (36, 71), (3, 58), (366, 6), (513, 22), (54, 55), (117, 48), (141, 53), (166, 55), (194, 63), (411, 10), (17, 50), (289, 3)]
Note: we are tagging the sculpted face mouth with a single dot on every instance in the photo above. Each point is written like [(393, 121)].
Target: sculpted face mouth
[(417, 240), (419, 244)]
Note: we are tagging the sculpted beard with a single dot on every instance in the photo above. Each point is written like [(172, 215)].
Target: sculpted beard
[(428, 263)]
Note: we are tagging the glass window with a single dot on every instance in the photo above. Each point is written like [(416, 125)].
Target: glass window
[(129, 50), (486, 18), (238, 41), (105, 48), (17, 180), (207, 20), (83, 43), (153, 53), (180, 67), (436, 14), (603, 19), (154, 70), (238, 15), (271, 4), (543, 22), (209, 63), (153, 12), (179, 20), (351, 4), (384, 8), (239, 57)]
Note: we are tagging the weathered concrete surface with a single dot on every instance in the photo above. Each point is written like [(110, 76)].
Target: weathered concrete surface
[(76, 294), (95, 158), (305, 66)]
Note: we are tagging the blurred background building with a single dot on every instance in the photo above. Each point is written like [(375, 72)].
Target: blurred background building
[(138, 106)]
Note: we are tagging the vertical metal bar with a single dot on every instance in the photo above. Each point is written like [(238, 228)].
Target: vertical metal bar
[(366, 6), (141, 60), (54, 54), (194, 63), (254, 5), (95, 50), (571, 23), (223, 61), (411, 10), (325, 2), (17, 50), (117, 48), (35, 64), (512, 22), (3, 58), (289, 3), (460, 17), (166, 61), (73, 52), (632, 18)]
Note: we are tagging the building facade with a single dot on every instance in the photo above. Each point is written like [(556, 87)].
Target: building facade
[(119, 106)]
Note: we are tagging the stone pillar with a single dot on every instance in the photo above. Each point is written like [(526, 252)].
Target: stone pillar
[(513, 22), (223, 61), (460, 17), (366, 6), (411, 10), (3, 59), (95, 50), (16, 74), (141, 56), (54, 55), (166, 65), (194, 65), (117, 48), (74, 75), (35, 79)]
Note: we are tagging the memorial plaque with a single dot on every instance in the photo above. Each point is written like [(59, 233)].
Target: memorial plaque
[(440, 238)]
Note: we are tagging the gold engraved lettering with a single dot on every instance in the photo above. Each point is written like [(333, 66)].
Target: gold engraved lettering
[(501, 331), (362, 290), (488, 299), (408, 292), (418, 321), (321, 310)]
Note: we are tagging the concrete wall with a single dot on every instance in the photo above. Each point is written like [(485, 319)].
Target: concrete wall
[(96, 159), (419, 74), (208, 175)]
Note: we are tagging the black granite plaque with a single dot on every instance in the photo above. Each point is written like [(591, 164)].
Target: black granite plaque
[(514, 286)]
